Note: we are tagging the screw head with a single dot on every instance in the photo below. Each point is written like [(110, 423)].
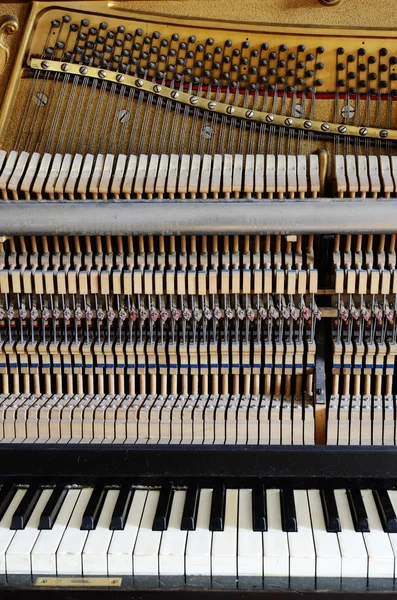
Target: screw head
[(249, 114), (383, 133), (102, 74), (342, 128), (363, 131), (175, 94), (157, 89), (325, 127), (288, 122), (83, 70), (139, 83), (45, 64), (230, 110), (193, 99), (65, 67), (119, 78), (212, 105), (269, 118), (307, 124)]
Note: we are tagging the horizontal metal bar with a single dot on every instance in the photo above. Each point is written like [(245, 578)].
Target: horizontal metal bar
[(186, 461), (198, 217)]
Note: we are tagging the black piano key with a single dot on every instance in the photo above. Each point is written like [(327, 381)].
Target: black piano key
[(386, 511), (259, 516), (25, 508), (357, 509), (217, 516), (161, 518), (122, 508), (288, 514), (93, 508), (331, 515), (7, 493), (190, 509), (52, 508)]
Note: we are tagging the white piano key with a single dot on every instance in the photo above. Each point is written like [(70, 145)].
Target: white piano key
[(96, 547), (44, 551), (7, 534), (224, 543), (123, 542), (328, 557), (380, 552), (301, 545), (71, 547), (145, 558), (18, 554), (353, 552), (205, 176), (275, 540), (393, 536), (173, 542), (198, 545), (249, 544)]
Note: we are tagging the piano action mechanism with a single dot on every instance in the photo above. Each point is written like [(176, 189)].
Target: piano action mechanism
[(197, 249)]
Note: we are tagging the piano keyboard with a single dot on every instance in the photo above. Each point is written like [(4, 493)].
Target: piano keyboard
[(192, 532)]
